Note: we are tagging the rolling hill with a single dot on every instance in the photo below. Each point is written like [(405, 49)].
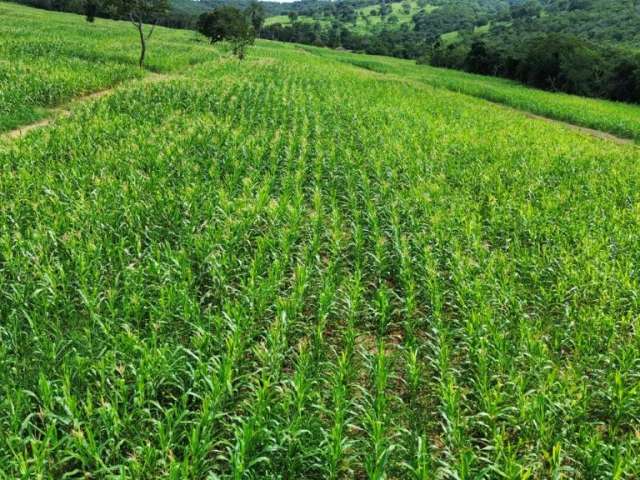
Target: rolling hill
[(592, 20), (583, 48)]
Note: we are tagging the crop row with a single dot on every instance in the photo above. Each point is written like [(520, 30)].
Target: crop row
[(617, 118), (289, 267)]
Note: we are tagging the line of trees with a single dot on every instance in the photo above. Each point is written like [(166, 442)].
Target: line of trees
[(402, 42), (555, 62), (101, 8)]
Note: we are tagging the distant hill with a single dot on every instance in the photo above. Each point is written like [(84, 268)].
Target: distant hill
[(196, 7), (451, 20), (585, 47), (184, 12)]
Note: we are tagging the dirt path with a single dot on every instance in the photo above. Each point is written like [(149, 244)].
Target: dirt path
[(571, 126), (67, 109)]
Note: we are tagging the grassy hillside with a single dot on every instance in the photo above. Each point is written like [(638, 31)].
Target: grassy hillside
[(367, 19), (305, 266)]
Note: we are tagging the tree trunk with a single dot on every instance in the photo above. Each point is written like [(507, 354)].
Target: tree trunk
[(143, 43)]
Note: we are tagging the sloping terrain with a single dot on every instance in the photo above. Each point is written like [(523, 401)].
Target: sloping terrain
[(301, 266)]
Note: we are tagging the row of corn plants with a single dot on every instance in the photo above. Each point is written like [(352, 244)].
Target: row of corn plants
[(294, 268)]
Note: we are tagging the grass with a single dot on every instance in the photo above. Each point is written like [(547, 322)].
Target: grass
[(292, 267)]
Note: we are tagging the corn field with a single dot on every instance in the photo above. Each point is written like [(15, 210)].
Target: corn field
[(295, 267)]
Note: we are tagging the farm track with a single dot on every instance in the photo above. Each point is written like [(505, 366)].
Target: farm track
[(571, 126), (67, 109)]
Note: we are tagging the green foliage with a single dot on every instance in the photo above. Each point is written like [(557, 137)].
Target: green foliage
[(255, 12), (552, 62), (232, 25), (294, 267), (526, 9), (91, 8), (223, 23)]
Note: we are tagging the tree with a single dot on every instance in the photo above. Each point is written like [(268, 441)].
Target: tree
[(527, 9), (293, 16), (346, 13), (384, 9), (479, 59), (230, 24), (624, 80), (256, 15), (333, 37), (90, 10), (140, 13)]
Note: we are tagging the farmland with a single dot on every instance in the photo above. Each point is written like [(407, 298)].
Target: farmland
[(305, 265), (617, 118), (43, 63)]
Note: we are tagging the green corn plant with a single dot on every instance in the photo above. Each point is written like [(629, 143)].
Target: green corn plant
[(298, 267)]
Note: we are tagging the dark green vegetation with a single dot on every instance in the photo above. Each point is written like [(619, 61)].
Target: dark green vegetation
[(235, 26), (582, 47), (546, 56), (183, 13), (299, 267)]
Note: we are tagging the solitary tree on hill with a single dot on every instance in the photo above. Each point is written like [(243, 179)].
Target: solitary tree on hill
[(141, 13), (227, 23), (90, 10)]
